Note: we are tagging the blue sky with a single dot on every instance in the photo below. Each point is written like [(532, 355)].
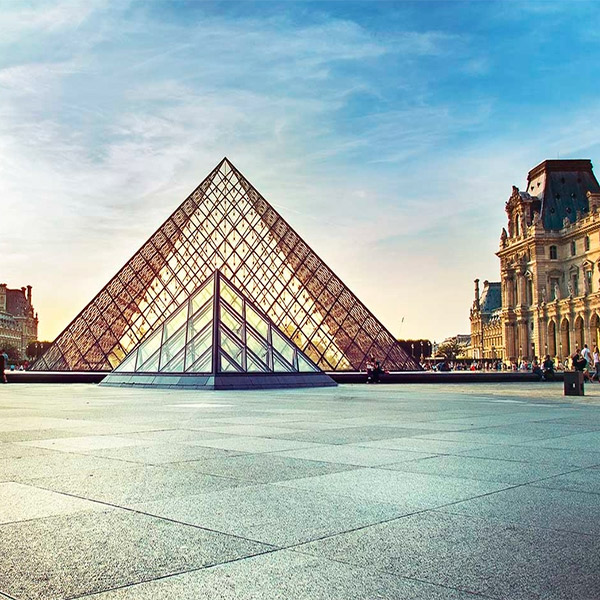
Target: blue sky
[(387, 133)]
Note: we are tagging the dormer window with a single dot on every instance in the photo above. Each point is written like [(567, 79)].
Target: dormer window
[(553, 253)]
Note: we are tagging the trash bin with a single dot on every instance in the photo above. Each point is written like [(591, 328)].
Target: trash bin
[(574, 383)]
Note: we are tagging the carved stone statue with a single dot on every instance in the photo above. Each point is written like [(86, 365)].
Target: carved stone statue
[(570, 289), (536, 218), (544, 295), (556, 291), (566, 222), (503, 238)]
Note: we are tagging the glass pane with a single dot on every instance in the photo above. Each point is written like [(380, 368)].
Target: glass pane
[(201, 296), (231, 297), (175, 365), (256, 321), (254, 366), (258, 347), (128, 364), (151, 365), (303, 365), (198, 346), (149, 347), (233, 348), (282, 346), (199, 320), (172, 347), (232, 323), (203, 364), (227, 366), (175, 322), (280, 365)]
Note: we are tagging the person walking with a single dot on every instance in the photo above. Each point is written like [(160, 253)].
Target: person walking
[(596, 359), (3, 365)]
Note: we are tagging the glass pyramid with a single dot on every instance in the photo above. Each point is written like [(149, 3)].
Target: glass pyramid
[(217, 338), (226, 224)]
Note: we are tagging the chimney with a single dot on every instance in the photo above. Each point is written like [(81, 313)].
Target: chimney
[(29, 294), (3, 297), (477, 292)]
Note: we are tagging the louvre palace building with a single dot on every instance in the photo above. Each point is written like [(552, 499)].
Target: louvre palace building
[(548, 298), (18, 321)]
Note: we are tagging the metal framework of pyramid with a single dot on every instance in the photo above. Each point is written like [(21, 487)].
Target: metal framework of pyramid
[(226, 225), (217, 339)]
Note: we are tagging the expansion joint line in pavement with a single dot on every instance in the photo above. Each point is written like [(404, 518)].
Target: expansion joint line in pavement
[(167, 576)]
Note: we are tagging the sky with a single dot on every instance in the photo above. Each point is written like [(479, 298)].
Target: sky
[(388, 134)]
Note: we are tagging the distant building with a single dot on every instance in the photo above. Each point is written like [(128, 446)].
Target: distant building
[(549, 266), (18, 322)]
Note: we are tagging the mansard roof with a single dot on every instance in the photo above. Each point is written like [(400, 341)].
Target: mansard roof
[(491, 297), (562, 185)]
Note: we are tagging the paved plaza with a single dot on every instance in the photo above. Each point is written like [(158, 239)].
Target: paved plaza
[(354, 493)]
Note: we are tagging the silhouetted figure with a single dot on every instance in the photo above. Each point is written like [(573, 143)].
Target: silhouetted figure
[(3, 365)]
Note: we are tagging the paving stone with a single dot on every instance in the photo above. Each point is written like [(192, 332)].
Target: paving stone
[(537, 507), (355, 455), (124, 486), (253, 444), (556, 456), (481, 469), (583, 441), (30, 467), (22, 502), (157, 454), (266, 467), (477, 555), (584, 480), (429, 445), (285, 575), (83, 444), (412, 491), (270, 514), (352, 434), (64, 557)]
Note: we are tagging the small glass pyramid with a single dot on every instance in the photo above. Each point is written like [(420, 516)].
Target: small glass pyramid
[(217, 338)]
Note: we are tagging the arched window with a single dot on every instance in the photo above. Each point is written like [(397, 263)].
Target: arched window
[(517, 226)]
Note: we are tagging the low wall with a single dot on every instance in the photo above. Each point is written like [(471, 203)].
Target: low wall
[(339, 377)]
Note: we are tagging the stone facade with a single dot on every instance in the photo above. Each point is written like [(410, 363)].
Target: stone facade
[(550, 268), (18, 321)]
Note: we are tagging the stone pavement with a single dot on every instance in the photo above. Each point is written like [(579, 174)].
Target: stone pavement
[(354, 493)]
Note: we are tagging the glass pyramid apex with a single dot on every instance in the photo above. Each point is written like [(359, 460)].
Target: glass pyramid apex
[(226, 225)]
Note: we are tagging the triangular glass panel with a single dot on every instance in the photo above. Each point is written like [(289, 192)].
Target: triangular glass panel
[(175, 322), (227, 365), (280, 365), (198, 346), (258, 347), (257, 322), (233, 323), (255, 366), (200, 298), (172, 346), (233, 348), (200, 319), (304, 366), (151, 365), (175, 365), (282, 346), (149, 347), (203, 364), (128, 364), (232, 298)]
